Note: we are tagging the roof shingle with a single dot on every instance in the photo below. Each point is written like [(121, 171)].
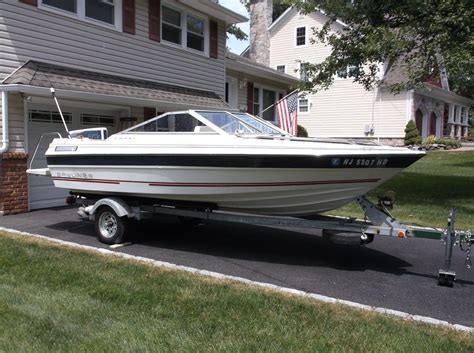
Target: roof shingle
[(35, 73)]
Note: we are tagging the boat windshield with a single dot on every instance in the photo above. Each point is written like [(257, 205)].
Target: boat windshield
[(229, 123), (262, 126)]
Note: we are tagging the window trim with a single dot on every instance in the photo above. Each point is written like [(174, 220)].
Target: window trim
[(305, 37), (309, 105), (81, 14), (184, 12), (284, 68)]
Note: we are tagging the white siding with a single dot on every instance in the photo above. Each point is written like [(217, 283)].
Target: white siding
[(345, 108), (27, 32)]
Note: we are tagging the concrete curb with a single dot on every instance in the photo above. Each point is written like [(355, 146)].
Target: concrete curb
[(318, 297)]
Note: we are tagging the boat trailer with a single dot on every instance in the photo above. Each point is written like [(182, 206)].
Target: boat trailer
[(111, 216)]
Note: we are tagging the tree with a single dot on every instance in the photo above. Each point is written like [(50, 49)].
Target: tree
[(412, 135), (418, 36)]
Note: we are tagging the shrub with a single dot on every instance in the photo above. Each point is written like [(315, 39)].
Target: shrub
[(302, 132), (412, 135), (430, 140), (448, 142), (470, 135)]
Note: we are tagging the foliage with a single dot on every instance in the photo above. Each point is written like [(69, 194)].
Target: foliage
[(414, 35), (470, 135), (412, 135), (430, 140), (237, 32), (302, 132), (447, 141)]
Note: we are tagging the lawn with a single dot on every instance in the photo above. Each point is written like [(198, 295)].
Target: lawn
[(54, 299), (428, 189)]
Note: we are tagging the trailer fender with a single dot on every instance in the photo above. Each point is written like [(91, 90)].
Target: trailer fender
[(119, 206)]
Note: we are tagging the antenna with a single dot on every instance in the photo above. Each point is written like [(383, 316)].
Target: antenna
[(53, 93)]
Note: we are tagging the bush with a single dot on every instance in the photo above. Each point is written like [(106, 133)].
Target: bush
[(302, 132), (470, 135), (448, 142), (412, 135), (430, 140)]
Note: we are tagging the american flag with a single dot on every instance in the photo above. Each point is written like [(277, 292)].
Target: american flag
[(287, 109)]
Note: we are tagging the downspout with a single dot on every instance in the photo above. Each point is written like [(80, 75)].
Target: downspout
[(5, 140)]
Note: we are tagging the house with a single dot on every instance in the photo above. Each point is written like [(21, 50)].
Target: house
[(253, 87), (112, 63), (347, 110)]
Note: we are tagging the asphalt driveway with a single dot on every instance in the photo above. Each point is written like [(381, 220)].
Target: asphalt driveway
[(399, 274)]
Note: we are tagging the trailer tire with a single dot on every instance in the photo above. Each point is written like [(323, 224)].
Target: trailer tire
[(110, 228), (345, 238)]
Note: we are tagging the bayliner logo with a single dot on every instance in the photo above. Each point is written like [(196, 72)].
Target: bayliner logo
[(75, 175)]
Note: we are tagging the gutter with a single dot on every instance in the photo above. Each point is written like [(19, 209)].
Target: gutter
[(5, 137)]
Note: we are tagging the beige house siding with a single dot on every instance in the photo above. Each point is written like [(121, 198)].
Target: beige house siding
[(346, 109), (27, 32)]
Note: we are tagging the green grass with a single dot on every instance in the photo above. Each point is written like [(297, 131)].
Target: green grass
[(428, 189), (54, 299)]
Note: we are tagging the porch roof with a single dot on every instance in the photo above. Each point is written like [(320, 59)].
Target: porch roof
[(77, 83)]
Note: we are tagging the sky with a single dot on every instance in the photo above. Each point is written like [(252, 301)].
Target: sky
[(237, 46)]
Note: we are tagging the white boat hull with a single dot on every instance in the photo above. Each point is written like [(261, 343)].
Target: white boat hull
[(295, 192)]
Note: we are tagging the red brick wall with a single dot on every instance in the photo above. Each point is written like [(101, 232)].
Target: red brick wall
[(13, 183)]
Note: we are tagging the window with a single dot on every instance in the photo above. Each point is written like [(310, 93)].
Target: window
[(44, 116), (256, 101), (66, 5), (171, 25), (195, 36), (183, 28), (97, 120), (106, 12), (303, 104), (281, 68), (268, 101), (101, 10), (300, 36), (304, 69)]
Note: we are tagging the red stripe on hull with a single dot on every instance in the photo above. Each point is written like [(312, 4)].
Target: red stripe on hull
[(211, 185)]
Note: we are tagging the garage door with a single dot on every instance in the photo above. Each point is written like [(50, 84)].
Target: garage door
[(43, 119)]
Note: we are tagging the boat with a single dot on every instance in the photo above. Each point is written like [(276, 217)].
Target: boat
[(232, 160)]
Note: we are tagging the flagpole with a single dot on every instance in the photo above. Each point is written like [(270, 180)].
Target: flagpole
[(263, 111)]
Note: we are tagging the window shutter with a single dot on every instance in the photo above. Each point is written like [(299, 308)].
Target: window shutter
[(128, 16), (148, 113), (30, 2), (154, 18), (250, 97), (213, 40)]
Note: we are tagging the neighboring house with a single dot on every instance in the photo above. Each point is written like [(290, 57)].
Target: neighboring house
[(252, 87), (109, 61), (346, 109)]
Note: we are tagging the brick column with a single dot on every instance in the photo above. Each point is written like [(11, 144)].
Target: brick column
[(13, 183)]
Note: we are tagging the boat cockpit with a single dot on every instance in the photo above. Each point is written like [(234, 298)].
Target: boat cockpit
[(207, 122)]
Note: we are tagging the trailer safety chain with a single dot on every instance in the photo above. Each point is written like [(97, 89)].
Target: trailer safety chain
[(465, 243), (464, 239)]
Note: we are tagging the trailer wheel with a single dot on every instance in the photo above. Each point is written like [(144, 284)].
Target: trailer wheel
[(345, 238), (110, 228)]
